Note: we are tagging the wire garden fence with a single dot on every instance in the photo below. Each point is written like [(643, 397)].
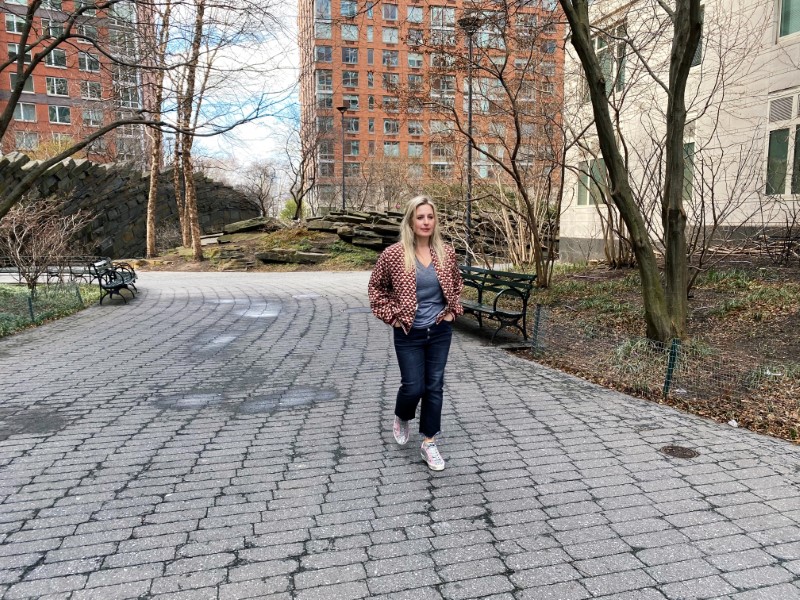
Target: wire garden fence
[(734, 387), (20, 307)]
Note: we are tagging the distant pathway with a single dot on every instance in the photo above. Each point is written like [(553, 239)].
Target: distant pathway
[(226, 435)]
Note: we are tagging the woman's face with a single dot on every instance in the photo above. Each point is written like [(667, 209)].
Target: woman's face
[(424, 221)]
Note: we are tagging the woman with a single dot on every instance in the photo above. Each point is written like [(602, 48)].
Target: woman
[(415, 287)]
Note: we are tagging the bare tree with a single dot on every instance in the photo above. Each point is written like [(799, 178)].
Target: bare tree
[(260, 183), (34, 235), (665, 305)]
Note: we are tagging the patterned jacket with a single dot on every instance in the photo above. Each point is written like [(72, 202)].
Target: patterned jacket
[(393, 291)]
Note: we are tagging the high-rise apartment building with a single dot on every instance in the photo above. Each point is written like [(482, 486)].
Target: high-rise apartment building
[(77, 88), (384, 88)]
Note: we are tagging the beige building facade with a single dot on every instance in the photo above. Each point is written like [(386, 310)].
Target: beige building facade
[(742, 139)]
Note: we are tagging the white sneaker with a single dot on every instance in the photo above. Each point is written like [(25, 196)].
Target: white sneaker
[(401, 431), (430, 454)]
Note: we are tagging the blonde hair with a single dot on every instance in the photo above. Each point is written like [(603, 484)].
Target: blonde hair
[(407, 237)]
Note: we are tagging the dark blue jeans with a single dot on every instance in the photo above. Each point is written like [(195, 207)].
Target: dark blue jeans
[(422, 356)]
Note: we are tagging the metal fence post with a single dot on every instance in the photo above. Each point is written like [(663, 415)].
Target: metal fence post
[(30, 307), (671, 360), (537, 320)]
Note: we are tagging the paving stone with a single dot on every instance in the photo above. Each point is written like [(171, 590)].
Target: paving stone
[(183, 486)]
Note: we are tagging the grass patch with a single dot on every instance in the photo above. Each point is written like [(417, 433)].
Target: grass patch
[(51, 302), (347, 255)]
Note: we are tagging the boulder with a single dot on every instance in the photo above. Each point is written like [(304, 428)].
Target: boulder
[(256, 224)]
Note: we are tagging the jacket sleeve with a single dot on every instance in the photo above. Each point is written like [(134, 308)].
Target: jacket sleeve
[(381, 297), (458, 284)]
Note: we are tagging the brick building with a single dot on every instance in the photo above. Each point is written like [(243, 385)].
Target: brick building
[(383, 91), (76, 88)]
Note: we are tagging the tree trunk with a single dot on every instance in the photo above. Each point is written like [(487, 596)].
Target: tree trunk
[(158, 136), (687, 29), (656, 313)]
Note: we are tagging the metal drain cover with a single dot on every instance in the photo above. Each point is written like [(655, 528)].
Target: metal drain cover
[(679, 452)]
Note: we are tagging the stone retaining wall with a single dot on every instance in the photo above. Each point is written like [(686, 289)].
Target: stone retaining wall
[(116, 194)]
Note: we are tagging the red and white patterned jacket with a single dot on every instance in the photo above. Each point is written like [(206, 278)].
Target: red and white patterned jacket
[(393, 291)]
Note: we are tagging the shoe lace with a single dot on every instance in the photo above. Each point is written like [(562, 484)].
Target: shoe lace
[(433, 452)]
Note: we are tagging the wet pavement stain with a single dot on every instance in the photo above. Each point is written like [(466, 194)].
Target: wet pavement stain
[(291, 398), (189, 400), (31, 422)]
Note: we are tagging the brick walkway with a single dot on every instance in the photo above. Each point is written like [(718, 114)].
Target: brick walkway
[(226, 436)]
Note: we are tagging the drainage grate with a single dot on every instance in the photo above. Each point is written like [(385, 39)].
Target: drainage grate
[(679, 452)]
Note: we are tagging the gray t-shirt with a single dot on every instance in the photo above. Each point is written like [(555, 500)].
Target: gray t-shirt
[(430, 299)]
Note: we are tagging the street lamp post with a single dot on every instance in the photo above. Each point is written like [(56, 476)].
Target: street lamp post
[(470, 24), (342, 110)]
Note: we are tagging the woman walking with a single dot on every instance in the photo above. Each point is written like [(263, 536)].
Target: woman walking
[(415, 288)]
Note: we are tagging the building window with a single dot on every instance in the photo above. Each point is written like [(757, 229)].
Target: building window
[(51, 4), (352, 169), (25, 112), (390, 58), (611, 56), (323, 30), (88, 33), (26, 140), (52, 28), (92, 117), (350, 101), (14, 24), (370, 33), (698, 53), (415, 37), (59, 114), (350, 32), (13, 53), (777, 161), (783, 149), (790, 17), (370, 79), (390, 80), (548, 69), (391, 126), (390, 35), (57, 58), (91, 90), (323, 54), (349, 8), (350, 56), (415, 150), (351, 124), (415, 128), (324, 80), (370, 56), (390, 104), (414, 14), (56, 86), (326, 169), (85, 7), (591, 182), (414, 81), (325, 151), (324, 100), (88, 62), (324, 124), (415, 60), (443, 26), (371, 148), (370, 9), (371, 124), (391, 149), (27, 87), (390, 12), (371, 103), (351, 148), (350, 78), (440, 60)]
